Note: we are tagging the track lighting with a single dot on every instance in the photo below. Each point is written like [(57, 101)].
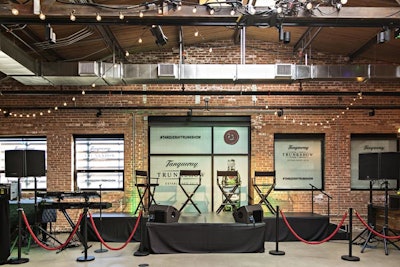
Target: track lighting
[(157, 32)]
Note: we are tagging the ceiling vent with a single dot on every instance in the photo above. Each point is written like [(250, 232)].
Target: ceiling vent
[(166, 70), (284, 71), (90, 68)]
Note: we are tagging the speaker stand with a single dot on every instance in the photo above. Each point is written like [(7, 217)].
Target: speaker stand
[(101, 249), (19, 259)]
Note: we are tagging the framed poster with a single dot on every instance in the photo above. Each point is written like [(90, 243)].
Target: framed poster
[(298, 162), (365, 144)]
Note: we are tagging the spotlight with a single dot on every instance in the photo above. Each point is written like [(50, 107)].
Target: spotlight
[(99, 113), (383, 36), (50, 34), (371, 113), (397, 33), (157, 32), (286, 37)]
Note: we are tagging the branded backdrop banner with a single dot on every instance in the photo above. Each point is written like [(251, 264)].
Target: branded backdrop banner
[(298, 163)]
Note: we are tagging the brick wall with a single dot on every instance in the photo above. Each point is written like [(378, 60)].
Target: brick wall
[(128, 118)]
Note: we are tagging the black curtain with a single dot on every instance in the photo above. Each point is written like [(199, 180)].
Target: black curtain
[(4, 229)]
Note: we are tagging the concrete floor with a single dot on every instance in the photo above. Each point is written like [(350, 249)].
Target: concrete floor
[(296, 254)]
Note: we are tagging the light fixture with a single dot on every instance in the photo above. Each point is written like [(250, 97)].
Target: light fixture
[(194, 10), (160, 10), (50, 34), (211, 10), (371, 113), (141, 14), (283, 36), (72, 15), (279, 113), (233, 12), (127, 53), (396, 33), (42, 16), (15, 12), (98, 17), (196, 33), (140, 40), (121, 16), (157, 32), (383, 36)]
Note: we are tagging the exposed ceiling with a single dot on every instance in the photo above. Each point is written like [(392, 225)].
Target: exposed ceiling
[(349, 31)]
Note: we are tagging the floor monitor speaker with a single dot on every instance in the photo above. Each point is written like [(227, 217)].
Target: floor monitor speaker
[(163, 214), (249, 214)]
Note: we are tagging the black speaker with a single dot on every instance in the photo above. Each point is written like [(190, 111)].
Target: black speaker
[(249, 214), (368, 166), (163, 214), (24, 163), (389, 165)]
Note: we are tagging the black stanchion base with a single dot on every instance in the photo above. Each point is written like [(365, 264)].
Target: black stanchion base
[(18, 261), (277, 252), (350, 258), (101, 250), (85, 258), (141, 253)]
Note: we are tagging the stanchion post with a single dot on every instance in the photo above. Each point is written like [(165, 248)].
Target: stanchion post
[(144, 245), (350, 257), (277, 252)]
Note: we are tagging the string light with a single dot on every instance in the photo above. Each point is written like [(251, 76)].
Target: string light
[(121, 16), (141, 14), (194, 10), (72, 15), (140, 40), (15, 11), (98, 17), (42, 16)]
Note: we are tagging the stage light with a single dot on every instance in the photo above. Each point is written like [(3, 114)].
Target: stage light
[(157, 32), (397, 33)]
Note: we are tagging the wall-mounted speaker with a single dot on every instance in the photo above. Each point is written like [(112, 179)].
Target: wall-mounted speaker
[(25, 163), (163, 214), (249, 214)]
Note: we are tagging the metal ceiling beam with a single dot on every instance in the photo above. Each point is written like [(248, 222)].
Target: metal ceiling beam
[(108, 92), (322, 17)]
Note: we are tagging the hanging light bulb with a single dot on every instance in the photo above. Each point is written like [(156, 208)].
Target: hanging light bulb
[(72, 15), (121, 16), (127, 53), (98, 17), (65, 104), (15, 11), (93, 85), (83, 92), (140, 40), (42, 16), (196, 33), (73, 98), (233, 12), (41, 113), (141, 14), (194, 10), (55, 108)]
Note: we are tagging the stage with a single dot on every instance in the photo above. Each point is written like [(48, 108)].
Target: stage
[(217, 233)]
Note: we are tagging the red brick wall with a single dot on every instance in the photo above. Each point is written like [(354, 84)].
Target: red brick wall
[(129, 119)]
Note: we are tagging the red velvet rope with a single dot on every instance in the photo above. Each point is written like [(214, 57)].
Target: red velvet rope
[(44, 245), (375, 232), (313, 242), (127, 241)]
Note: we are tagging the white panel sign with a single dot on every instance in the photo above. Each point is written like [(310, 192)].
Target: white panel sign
[(180, 140), (231, 140), (298, 164), (360, 146), (165, 170)]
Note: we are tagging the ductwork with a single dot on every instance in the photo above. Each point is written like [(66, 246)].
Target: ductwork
[(100, 73)]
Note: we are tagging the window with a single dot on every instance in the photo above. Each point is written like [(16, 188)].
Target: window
[(22, 143), (99, 162)]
